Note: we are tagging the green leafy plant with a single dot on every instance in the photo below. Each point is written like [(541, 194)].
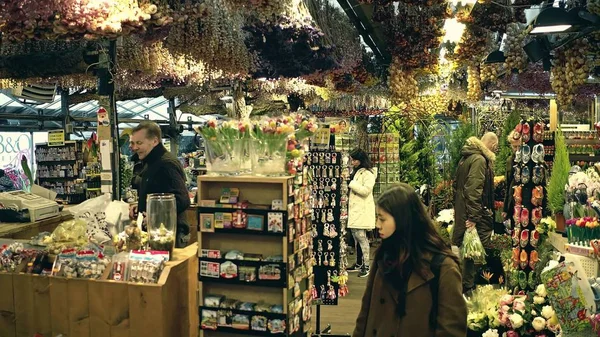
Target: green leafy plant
[(456, 142), (505, 150), (560, 174)]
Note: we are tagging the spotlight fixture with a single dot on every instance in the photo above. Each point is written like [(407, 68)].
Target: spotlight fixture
[(538, 49), (495, 57), (556, 20)]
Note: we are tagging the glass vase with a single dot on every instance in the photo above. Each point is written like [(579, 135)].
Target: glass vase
[(161, 213), (269, 156), (222, 157)]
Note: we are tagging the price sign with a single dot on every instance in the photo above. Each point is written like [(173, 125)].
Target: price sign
[(56, 137)]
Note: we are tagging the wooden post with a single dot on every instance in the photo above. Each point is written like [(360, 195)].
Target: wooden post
[(553, 115)]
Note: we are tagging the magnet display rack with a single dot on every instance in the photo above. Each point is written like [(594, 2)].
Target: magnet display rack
[(384, 151), (530, 198), (284, 232), (59, 168)]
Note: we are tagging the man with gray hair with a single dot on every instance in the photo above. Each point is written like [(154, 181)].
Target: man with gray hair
[(474, 196)]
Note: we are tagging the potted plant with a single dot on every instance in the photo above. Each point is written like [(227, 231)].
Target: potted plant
[(558, 180)]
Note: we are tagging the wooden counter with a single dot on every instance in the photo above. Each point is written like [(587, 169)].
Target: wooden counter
[(26, 230), (31, 304)]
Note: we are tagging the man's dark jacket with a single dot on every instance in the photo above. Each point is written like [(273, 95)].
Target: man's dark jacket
[(161, 172), (474, 191)]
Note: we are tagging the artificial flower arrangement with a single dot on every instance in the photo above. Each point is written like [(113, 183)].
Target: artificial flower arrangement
[(224, 145), (583, 229), (515, 315), (270, 145)]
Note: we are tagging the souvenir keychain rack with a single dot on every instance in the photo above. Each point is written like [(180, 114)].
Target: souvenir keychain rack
[(285, 200), (325, 168), (529, 195)]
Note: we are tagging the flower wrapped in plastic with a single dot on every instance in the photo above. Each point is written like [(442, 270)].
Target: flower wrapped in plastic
[(472, 248)]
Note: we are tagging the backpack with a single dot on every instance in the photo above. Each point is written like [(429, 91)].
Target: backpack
[(434, 285)]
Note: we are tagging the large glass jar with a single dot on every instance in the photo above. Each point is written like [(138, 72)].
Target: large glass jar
[(161, 213)]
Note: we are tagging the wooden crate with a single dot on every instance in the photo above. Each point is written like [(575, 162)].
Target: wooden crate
[(50, 306)]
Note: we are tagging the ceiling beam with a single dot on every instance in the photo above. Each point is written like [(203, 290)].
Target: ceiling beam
[(361, 15)]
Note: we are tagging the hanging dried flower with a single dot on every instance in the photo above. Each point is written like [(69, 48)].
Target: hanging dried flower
[(414, 33), (571, 68), (493, 16), (74, 19), (473, 46), (474, 93), (402, 83), (515, 38), (212, 34), (288, 49)]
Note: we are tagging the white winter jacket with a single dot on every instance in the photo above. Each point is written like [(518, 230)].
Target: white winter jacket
[(361, 206)]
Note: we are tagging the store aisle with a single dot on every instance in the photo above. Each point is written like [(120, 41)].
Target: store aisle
[(343, 316)]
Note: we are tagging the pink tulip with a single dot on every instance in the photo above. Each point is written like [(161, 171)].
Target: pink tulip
[(512, 333)]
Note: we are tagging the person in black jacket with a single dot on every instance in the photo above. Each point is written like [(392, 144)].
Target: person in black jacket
[(158, 171)]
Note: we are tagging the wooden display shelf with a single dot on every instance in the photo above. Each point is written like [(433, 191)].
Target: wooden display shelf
[(31, 304), (259, 191)]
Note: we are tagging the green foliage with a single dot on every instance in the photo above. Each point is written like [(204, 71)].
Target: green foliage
[(505, 150), (417, 157), (560, 174), (455, 144)]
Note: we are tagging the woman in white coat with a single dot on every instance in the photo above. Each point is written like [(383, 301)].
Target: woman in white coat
[(361, 206)]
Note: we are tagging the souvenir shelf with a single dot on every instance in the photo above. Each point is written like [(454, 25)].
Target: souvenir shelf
[(530, 201), (327, 170), (384, 151), (59, 168), (254, 249)]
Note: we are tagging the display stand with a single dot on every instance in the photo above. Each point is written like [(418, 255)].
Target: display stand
[(328, 186), (51, 306), (59, 168), (530, 200), (384, 151), (267, 219)]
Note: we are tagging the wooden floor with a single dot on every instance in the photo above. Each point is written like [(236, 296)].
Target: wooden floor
[(343, 316)]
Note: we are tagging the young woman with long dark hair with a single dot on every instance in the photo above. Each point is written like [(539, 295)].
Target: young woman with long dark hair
[(361, 207), (415, 286)]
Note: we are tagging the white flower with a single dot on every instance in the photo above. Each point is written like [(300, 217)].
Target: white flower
[(533, 313), (538, 300), (446, 216), (491, 333), (516, 321), (547, 312), (539, 323), (541, 290)]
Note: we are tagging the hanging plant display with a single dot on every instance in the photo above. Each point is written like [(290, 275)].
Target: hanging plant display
[(593, 6), (211, 34), (288, 48), (492, 16), (489, 72), (74, 19), (414, 32), (531, 79), (571, 68), (519, 7), (474, 92), (263, 9), (402, 83), (473, 45), (515, 55), (30, 59)]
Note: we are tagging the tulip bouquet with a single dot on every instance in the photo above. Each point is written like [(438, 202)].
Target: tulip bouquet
[(472, 248), (224, 145), (583, 229), (269, 145)]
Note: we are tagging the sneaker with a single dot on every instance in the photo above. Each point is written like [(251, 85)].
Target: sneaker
[(364, 272), (354, 268)]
